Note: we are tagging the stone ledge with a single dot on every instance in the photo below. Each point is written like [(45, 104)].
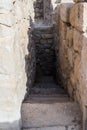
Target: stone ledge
[(61, 114)]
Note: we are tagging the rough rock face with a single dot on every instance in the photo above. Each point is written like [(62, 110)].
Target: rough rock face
[(14, 24), (78, 16)]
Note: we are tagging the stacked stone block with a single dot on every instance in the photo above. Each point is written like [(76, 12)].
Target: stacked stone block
[(45, 53), (39, 9), (71, 50)]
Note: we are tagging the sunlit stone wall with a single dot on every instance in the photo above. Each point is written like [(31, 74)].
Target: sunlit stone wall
[(14, 43), (70, 21)]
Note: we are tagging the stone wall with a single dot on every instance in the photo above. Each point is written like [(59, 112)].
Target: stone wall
[(43, 12), (48, 9), (14, 47), (45, 52), (39, 9), (71, 47)]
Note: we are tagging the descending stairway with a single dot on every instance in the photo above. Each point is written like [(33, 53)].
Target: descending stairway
[(47, 107)]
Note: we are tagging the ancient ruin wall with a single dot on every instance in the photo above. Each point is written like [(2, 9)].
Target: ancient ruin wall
[(71, 50), (14, 52)]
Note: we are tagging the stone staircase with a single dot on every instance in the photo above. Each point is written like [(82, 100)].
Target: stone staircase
[(47, 107)]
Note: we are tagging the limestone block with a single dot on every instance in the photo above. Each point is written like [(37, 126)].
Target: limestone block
[(6, 31), (21, 83), (73, 79), (70, 57), (19, 12), (7, 65), (62, 30), (6, 4), (69, 36), (7, 19), (65, 11), (84, 62), (9, 96), (77, 40), (26, 9), (77, 67), (63, 60), (7, 81), (23, 35), (13, 38), (80, 66), (78, 16)]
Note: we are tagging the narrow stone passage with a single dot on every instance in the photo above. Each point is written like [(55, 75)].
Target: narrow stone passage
[(47, 105), (46, 84)]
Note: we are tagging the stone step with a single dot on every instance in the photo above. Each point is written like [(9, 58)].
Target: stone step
[(46, 85), (46, 29), (49, 113), (47, 91), (56, 128), (34, 98)]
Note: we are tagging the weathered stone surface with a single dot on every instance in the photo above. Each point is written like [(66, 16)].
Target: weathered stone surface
[(51, 114), (9, 21), (63, 27), (65, 11), (71, 47), (75, 127), (49, 128), (14, 40), (7, 52), (19, 12), (69, 36), (78, 16), (12, 126), (6, 31), (6, 4), (77, 40)]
